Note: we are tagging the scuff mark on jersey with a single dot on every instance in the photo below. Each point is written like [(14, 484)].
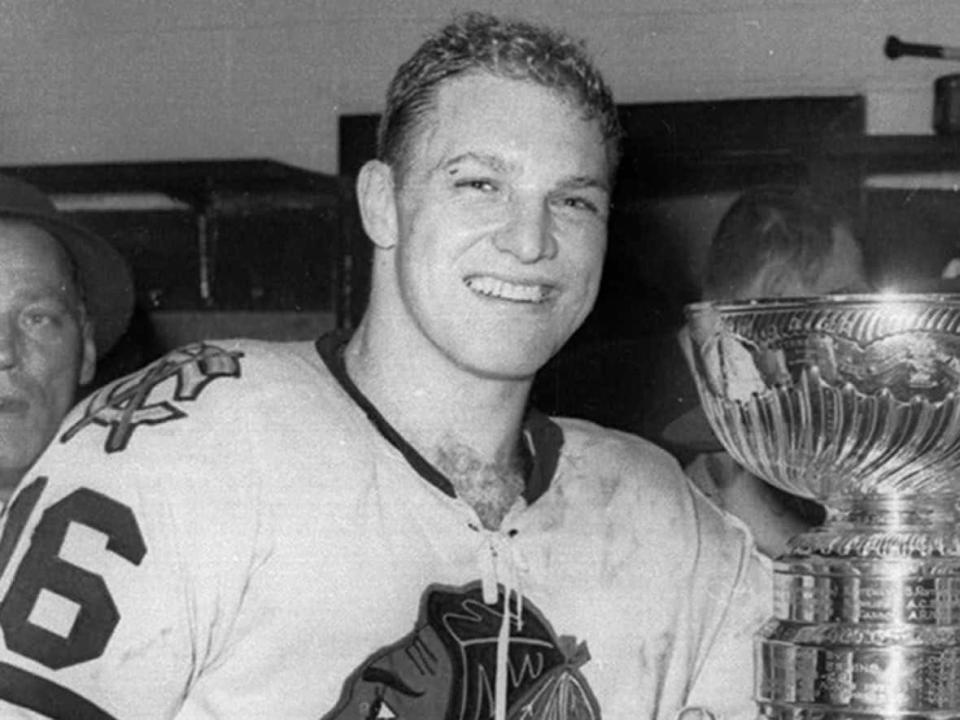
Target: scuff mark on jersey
[(124, 405)]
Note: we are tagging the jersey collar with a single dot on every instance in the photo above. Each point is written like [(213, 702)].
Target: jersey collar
[(544, 437)]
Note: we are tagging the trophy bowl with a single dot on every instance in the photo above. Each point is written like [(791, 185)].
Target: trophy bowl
[(851, 401)]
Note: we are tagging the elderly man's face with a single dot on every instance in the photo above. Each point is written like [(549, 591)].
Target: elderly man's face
[(46, 346)]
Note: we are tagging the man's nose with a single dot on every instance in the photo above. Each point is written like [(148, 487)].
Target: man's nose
[(529, 235), (9, 349)]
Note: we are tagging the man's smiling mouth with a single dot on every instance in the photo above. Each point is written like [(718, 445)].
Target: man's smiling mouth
[(504, 290)]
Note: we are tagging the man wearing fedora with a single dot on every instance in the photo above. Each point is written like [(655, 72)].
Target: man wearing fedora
[(66, 297)]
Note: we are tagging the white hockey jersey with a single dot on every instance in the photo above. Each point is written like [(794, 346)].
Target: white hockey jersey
[(233, 532)]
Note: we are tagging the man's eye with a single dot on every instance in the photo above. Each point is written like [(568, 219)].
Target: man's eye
[(41, 318), (477, 184), (581, 203)]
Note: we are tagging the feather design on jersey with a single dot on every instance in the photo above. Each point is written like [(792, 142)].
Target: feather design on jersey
[(563, 695), (126, 404)]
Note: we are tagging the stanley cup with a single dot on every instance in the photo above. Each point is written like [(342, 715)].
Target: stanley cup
[(853, 401)]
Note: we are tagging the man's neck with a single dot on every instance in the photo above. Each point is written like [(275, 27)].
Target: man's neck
[(491, 488), (428, 397), (469, 427)]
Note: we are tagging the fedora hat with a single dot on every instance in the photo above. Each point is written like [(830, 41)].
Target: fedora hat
[(106, 277)]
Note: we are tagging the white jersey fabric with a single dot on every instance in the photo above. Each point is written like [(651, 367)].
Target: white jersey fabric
[(233, 532)]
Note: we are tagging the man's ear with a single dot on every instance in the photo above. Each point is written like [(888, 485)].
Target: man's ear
[(88, 357), (378, 204)]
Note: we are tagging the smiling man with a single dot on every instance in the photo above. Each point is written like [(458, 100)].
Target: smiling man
[(490, 245), (377, 525)]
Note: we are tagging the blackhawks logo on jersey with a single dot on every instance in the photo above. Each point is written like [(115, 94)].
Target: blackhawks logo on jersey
[(446, 668), (129, 403)]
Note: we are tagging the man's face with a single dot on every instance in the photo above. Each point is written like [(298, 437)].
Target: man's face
[(501, 225), (45, 347)]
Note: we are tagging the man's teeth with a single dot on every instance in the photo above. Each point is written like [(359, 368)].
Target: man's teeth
[(507, 290)]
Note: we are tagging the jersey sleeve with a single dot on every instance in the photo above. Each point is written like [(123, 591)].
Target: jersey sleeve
[(106, 610), (701, 590)]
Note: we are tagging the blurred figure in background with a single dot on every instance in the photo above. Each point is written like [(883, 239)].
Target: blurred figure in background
[(66, 297), (783, 242), (772, 242)]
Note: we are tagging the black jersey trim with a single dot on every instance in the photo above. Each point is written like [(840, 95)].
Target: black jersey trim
[(545, 436), (35, 693)]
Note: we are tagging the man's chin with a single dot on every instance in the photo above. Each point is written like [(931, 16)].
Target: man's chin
[(506, 359), (16, 456), (10, 475), (512, 372)]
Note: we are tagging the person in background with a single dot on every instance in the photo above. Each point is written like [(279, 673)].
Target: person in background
[(66, 297), (772, 242), (783, 242), (378, 524)]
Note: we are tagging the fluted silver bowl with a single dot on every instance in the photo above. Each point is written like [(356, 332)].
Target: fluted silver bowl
[(834, 396)]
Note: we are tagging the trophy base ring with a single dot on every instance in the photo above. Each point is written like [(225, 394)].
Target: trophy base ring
[(897, 681), (823, 712)]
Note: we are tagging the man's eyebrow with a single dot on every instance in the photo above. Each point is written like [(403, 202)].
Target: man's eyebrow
[(579, 182), (494, 162), (58, 293), (498, 164)]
